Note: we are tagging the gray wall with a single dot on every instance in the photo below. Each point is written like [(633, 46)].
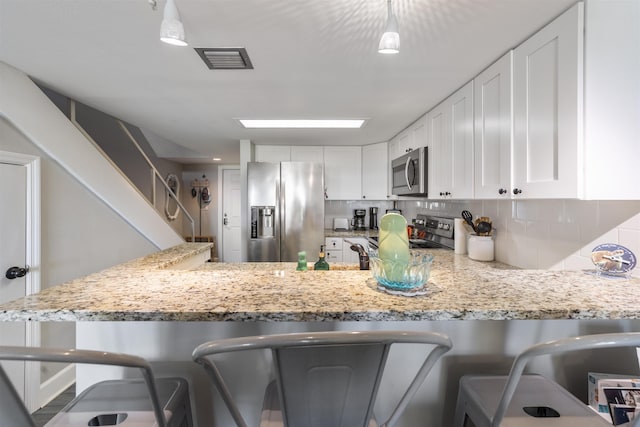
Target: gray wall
[(80, 234), (112, 140)]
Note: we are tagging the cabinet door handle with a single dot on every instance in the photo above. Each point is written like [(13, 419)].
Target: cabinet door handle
[(502, 191), (517, 191)]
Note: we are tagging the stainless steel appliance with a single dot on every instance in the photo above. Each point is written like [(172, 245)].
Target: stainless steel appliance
[(429, 232), (341, 224), (358, 219), (409, 173), (286, 210), (373, 218)]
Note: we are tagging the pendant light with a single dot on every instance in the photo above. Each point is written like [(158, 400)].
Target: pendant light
[(171, 29), (390, 40)]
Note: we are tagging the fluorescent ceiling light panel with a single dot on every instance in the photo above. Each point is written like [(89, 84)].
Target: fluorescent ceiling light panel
[(302, 124)]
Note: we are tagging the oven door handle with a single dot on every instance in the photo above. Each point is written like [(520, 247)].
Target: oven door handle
[(406, 172)]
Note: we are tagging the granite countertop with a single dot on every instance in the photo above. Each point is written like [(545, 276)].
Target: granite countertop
[(350, 233), (460, 288)]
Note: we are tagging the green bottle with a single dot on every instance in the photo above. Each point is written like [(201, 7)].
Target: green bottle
[(394, 246), (321, 264), (302, 261)]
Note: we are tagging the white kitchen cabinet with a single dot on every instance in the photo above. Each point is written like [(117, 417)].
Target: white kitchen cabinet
[(343, 172), (493, 130), (547, 103), (375, 171), (311, 153), (333, 249), (411, 138), (418, 133), (612, 101), (450, 130), (272, 153)]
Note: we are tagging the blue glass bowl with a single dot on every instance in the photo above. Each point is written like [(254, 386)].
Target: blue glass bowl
[(407, 276)]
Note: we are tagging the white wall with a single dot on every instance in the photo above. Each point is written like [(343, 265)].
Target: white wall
[(80, 235)]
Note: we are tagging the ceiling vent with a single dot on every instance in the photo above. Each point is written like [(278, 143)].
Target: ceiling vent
[(225, 58)]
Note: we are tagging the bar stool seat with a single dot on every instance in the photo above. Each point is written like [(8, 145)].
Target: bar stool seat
[(324, 379), (141, 402), (520, 400)]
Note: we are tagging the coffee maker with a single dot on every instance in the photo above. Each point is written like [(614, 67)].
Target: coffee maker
[(358, 219), (373, 218)]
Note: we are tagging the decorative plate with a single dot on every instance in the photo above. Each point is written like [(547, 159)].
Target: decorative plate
[(612, 258)]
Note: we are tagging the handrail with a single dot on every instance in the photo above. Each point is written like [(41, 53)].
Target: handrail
[(154, 171), (164, 183)]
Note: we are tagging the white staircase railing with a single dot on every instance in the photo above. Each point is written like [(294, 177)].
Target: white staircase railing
[(154, 171)]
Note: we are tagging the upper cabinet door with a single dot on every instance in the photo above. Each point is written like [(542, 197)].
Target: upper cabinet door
[(438, 136), (548, 88), (450, 130), (418, 132), (343, 172), (461, 108), (493, 130), (312, 154), (375, 171), (273, 153)]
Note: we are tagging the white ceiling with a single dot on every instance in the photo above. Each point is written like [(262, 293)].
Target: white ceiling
[(312, 59)]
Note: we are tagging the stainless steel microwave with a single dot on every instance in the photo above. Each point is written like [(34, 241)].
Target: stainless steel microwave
[(409, 173)]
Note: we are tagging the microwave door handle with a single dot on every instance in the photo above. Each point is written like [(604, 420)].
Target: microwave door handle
[(406, 172)]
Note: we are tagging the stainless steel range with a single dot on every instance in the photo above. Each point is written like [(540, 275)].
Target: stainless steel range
[(430, 232), (433, 232)]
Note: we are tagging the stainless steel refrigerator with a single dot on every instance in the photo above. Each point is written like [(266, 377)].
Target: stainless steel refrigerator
[(286, 210)]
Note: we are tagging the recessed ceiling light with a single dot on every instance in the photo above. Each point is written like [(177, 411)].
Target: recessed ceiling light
[(300, 124)]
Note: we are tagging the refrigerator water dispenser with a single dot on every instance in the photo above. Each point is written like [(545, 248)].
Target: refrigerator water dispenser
[(262, 222)]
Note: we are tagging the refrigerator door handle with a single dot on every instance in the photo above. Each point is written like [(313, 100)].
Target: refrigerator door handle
[(282, 222)]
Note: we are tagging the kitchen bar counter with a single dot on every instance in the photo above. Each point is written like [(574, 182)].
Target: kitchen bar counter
[(149, 289), (350, 233)]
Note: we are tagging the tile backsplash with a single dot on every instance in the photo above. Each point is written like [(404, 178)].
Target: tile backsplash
[(544, 234)]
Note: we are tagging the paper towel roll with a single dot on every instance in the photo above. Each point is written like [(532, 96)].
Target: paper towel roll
[(459, 236)]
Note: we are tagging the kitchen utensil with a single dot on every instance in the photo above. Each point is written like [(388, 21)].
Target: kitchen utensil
[(466, 215), (483, 228)]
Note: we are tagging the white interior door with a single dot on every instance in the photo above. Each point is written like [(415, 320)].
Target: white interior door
[(231, 217), (19, 247)]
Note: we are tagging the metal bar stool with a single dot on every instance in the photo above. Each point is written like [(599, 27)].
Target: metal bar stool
[(323, 378), (532, 400), (104, 403)]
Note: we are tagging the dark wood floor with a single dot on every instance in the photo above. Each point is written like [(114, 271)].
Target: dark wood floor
[(43, 415)]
